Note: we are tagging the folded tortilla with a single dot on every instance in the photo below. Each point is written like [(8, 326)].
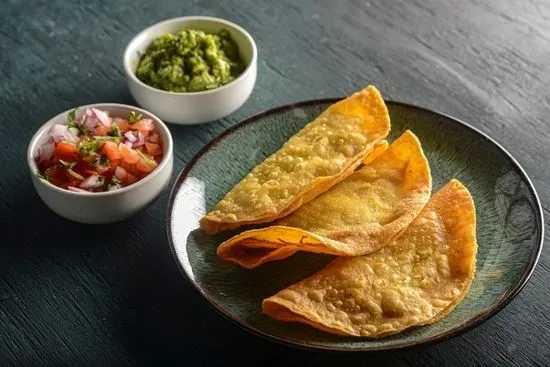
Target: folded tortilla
[(357, 216), (323, 153), (416, 280)]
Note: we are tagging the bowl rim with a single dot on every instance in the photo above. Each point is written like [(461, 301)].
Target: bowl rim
[(458, 329), (33, 145), (132, 45)]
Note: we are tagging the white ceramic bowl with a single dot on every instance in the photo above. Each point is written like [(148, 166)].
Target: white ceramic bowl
[(110, 206), (192, 107)]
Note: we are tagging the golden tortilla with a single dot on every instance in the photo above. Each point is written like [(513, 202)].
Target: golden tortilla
[(378, 149), (357, 216), (416, 280), (324, 152)]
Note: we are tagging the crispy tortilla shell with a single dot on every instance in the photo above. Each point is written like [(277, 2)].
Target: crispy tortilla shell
[(357, 216), (323, 153), (416, 280)]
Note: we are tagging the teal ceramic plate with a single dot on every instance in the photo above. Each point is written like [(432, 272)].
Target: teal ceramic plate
[(509, 228)]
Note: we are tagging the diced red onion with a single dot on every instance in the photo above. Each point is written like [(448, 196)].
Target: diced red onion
[(120, 173), (76, 189), (130, 136), (89, 122), (82, 119), (114, 187), (61, 132), (57, 131), (140, 140), (92, 182), (102, 116), (45, 152), (128, 144)]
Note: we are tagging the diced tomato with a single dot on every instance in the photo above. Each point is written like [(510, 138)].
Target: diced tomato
[(101, 130), (66, 151), (153, 149), (128, 164), (123, 125), (121, 173), (153, 138), (114, 163), (111, 150), (132, 169), (124, 176), (143, 167), (58, 176), (143, 125), (130, 179), (128, 154)]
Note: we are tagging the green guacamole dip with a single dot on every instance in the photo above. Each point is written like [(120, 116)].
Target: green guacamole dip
[(190, 61)]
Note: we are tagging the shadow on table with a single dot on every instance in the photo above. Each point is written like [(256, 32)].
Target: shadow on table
[(33, 229)]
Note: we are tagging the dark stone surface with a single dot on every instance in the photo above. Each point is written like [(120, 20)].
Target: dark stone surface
[(72, 294)]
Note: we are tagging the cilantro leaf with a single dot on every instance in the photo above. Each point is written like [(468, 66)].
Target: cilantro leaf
[(41, 175), (133, 117), (67, 165), (89, 147), (72, 116), (115, 131), (99, 161)]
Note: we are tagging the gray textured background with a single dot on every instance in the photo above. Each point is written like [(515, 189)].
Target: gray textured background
[(111, 295)]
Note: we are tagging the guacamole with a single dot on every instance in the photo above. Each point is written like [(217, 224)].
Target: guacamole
[(190, 61)]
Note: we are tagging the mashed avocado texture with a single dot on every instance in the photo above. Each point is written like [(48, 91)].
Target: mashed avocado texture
[(190, 61)]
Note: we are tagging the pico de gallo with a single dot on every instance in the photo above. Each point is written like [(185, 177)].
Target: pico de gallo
[(96, 152)]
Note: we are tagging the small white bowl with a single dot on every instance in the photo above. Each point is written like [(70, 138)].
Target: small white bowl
[(110, 206), (193, 107)]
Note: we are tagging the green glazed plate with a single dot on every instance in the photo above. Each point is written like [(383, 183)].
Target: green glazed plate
[(509, 227)]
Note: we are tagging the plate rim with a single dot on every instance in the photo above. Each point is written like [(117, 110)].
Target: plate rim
[(469, 325)]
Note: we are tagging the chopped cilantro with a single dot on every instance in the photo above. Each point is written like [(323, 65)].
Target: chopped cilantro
[(72, 116), (76, 128), (133, 117), (115, 184), (115, 139), (67, 165), (89, 147), (115, 131), (41, 175), (99, 161)]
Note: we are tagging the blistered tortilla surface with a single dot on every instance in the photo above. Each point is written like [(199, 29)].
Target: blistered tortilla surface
[(416, 280), (323, 153), (357, 216)]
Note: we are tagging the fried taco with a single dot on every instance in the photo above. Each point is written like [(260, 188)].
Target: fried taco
[(416, 280), (323, 153), (359, 215)]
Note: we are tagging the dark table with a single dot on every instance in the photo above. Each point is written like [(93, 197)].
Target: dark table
[(73, 294)]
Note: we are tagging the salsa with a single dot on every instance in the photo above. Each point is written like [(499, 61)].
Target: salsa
[(190, 61), (96, 152)]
